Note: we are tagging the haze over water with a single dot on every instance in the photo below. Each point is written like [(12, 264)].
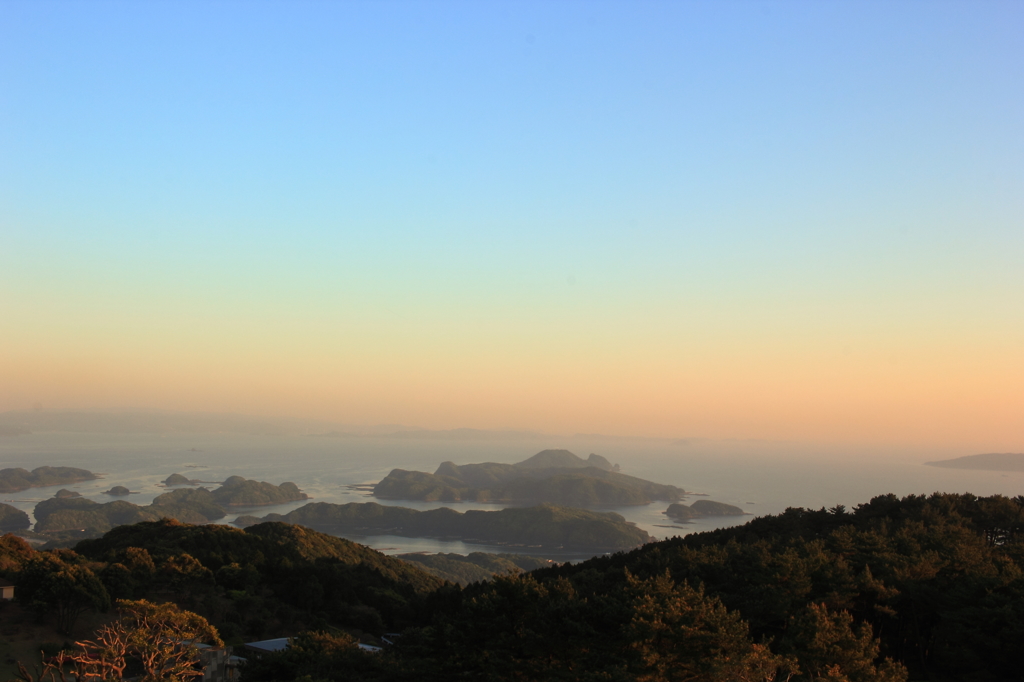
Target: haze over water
[(760, 477)]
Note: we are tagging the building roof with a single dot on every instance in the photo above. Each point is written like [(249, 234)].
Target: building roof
[(6, 583), (279, 644)]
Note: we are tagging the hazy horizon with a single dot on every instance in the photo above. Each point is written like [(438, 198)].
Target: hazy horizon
[(785, 222)]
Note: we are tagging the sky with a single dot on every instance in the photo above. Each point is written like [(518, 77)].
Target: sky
[(755, 220)]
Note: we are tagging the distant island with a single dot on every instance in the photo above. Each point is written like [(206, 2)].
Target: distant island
[(178, 479), (188, 506), (71, 512), (117, 491), (240, 492), (701, 509), (551, 476), (15, 480), (993, 461), (545, 525)]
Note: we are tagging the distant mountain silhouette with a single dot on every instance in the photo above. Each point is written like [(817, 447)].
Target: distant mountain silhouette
[(563, 459), (993, 461)]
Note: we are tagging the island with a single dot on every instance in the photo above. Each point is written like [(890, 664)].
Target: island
[(12, 519), (80, 513), (545, 526), (993, 461), (551, 476), (701, 509), (16, 480), (178, 479), (240, 492), (196, 505), (64, 493), (68, 511), (118, 491)]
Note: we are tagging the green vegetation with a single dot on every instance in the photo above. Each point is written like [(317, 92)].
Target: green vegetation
[(545, 525), (64, 493), (552, 476), (12, 519), (239, 492), (158, 639), (701, 509), (994, 461), (919, 587), (913, 588), (475, 567), (272, 580), (59, 582), (118, 491), (14, 480)]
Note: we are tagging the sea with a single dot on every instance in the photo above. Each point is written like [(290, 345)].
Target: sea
[(760, 477)]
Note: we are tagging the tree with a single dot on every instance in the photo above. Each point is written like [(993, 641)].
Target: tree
[(161, 638), (58, 582), (680, 634), (829, 648)]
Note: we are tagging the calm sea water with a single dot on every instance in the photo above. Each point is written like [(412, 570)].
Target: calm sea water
[(760, 477)]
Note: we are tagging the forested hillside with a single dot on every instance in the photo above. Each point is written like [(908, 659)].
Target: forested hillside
[(933, 583), (919, 588)]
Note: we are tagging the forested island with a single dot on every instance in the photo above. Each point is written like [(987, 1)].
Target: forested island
[(544, 526), (552, 476), (16, 480), (239, 492), (923, 587), (993, 461), (64, 513), (701, 509)]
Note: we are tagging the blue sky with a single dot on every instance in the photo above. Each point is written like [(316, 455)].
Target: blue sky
[(619, 179)]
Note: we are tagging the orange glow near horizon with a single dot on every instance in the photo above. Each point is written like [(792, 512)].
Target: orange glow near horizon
[(774, 391), (672, 220)]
